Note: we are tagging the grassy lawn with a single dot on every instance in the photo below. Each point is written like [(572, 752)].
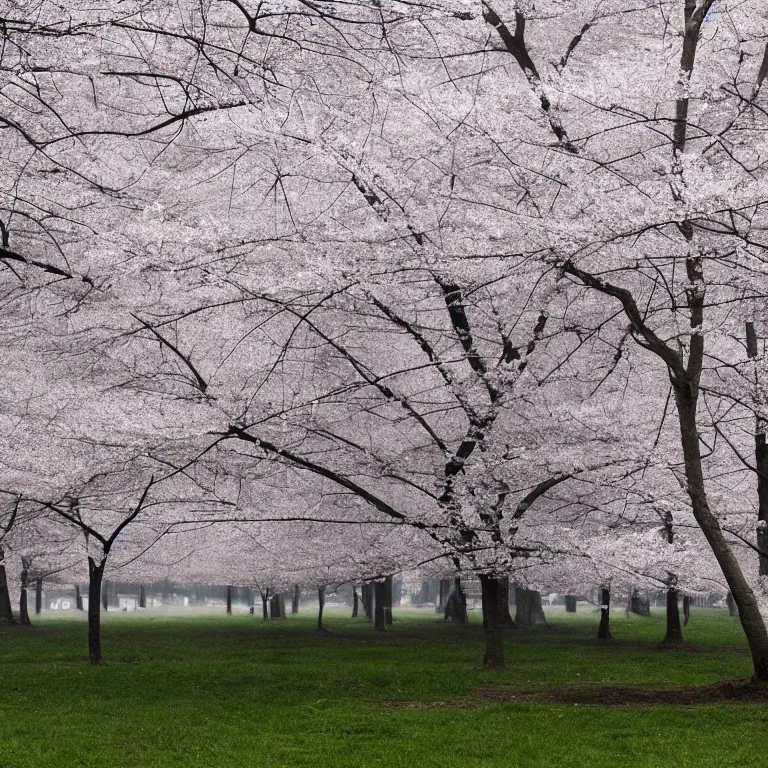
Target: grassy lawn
[(212, 690)]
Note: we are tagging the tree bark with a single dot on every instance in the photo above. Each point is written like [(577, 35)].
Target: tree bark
[(749, 613), (23, 608), (355, 602), (493, 621), (639, 604), (229, 601), (295, 598), (367, 599), (506, 616), (320, 606), (78, 596), (142, 597), (570, 603), (379, 605), (443, 593), (276, 607), (104, 594), (265, 605), (456, 604), (39, 597), (604, 628), (731, 603), (389, 589), (528, 610), (95, 586), (6, 612), (674, 635), (686, 609), (761, 466)]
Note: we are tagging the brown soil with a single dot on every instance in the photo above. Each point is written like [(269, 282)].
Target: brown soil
[(634, 695)]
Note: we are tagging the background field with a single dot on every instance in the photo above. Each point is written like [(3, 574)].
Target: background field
[(212, 690)]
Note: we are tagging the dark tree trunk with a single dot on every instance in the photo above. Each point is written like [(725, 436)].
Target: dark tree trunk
[(604, 628), (389, 590), (295, 598), (367, 600), (493, 621), (6, 612), (379, 605), (749, 612), (639, 604), (686, 609), (355, 602), (95, 579), (265, 605), (761, 466), (39, 597), (320, 606), (78, 597), (570, 603), (456, 604), (229, 600), (444, 589), (277, 607), (506, 616), (23, 609), (528, 609), (142, 597), (104, 594), (674, 635), (731, 603)]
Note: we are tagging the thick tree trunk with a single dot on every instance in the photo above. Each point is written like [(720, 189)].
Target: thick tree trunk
[(389, 593), (320, 606), (95, 579), (733, 609), (23, 609), (686, 609), (78, 597), (749, 613), (367, 599), (229, 601), (570, 603), (295, 598), (142, 597), (379, 605), (493, 621), (265, 605), (639, 604), (6, 612), (355, 602), (674, 635), (604, 628), (277, 607)]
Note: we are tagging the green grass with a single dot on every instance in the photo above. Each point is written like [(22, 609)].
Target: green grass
[(211, 690)]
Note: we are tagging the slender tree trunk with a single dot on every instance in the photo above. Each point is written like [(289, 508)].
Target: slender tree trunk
[(456, 604), (379, 605), (355, 602), (761, 466), (389, 588), (493, 626), (229, 601), (506, 616), (320, 606), (674, 635), (23, 609), (686, 609), (38, 596), (104, 594), (95, 579), (265, 605), (604, 628), (78, 597), (443, 593), (295, 598), (142, 597), (570, 603), (6, 612), (744, 597)]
